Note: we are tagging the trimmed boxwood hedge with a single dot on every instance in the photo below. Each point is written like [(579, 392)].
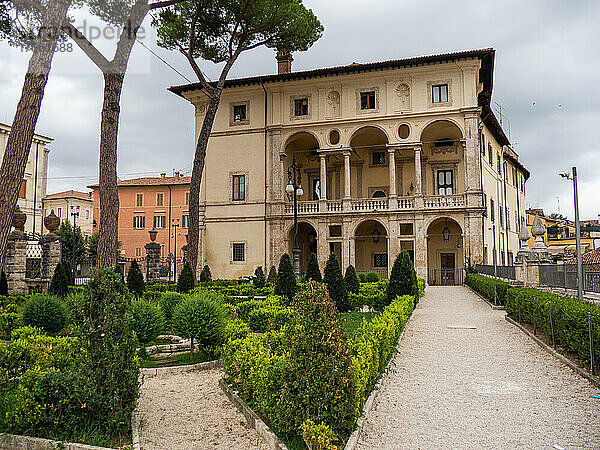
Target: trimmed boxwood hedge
[(570, 318), (485, 286)]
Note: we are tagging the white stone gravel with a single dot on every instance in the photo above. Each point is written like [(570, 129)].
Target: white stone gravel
[(189, 411), (489, 387)]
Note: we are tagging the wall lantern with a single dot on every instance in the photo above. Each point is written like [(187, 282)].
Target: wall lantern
[(458, 244), (375, 234), (446, 232)]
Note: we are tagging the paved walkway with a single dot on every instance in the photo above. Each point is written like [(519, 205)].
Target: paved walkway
[(489, 387)]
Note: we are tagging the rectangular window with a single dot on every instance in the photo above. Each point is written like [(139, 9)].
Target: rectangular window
[(239, 188), (23, 190), (522, 184), (87, 214), (185, 220), (490, 154), (367, 100), (445, 182), (139, 200), (138, 252), (160, 199), (59, 212), (507, 218), (159, 221), (379, 158), (239, 113), (482, 145), (380, 260), (139, 222), (439, 93), (485, 212), (515, 182), (187, 198), (500, 215), (301, 107), (492, 210), (499, 166), (239, 252), (517, 224)]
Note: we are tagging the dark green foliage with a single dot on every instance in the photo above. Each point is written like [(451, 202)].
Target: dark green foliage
[(186, 279), (335, 284), (135, 280), (59, 285), (65, 231), (3, 284), (312, 271), (201, 317), (570, 317), (259, 279), (92, 245), (485, 286), (168, 303), (147, 320), (352, 283), (403, 279), (205, 275), (371, 277), (272, 278), (286, 280), (46, 312)]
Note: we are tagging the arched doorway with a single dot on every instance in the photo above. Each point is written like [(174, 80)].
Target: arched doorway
[(304, 147), (445, 259), (371, 248), (307, 241)]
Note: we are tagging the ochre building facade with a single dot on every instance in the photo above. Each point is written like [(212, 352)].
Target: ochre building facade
[(395, 155)]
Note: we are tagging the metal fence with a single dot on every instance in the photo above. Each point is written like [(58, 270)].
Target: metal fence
[(565, 276), (445, 277), (506, 272), (33, 258), (83, 271)]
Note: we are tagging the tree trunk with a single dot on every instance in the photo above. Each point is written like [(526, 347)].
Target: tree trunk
[(199, 158), (28, 109), (109, 196)]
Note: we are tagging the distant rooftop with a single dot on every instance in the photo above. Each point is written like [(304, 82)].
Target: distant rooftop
[(69, 194), (151, 181), (6, 127)]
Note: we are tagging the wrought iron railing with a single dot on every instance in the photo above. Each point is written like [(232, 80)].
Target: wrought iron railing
[(565, 276), (506, 272), (445, 277)]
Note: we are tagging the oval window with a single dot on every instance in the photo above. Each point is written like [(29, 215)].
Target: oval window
[(403, 131), (334, 137)]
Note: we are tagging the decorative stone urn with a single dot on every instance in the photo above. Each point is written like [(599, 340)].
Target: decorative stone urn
[(19, 219), (51, 222), (153, 232), (524, 252), (539, 251)]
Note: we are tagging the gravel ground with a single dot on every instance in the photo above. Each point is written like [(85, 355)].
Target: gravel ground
[(189, 411), (489, 387)]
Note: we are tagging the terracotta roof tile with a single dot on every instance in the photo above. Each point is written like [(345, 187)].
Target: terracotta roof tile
[(70, 194), (150, 181), (592, 257)]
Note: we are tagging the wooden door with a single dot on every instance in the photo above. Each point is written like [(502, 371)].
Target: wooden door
[(447, 265)]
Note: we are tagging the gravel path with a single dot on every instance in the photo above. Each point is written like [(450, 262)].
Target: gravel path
[(489, 387), (189, 411)]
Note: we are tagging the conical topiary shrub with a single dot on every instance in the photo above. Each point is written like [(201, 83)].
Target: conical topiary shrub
[(259, 279), (59, 285), (312, 271), (205, 275), (403, 280), (335, 283), (135, 280), (352, 283), (186, 279), (272, 278), (286, 280)]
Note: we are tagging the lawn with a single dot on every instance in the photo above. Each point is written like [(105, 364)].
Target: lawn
[(352, 321), (177, 359)]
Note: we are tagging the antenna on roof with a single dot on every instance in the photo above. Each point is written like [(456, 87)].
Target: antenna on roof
[(503, 118)]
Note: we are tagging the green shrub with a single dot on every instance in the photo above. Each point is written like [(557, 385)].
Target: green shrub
[(235, 329), (168, 303), (3, 284), (205, 275), (152, 296), (272, 278), (186, 279), (59, 285), (10, 319), (163, 271), (351, 280), (148, 320), (269, 314), (403, 280), (312, 271), (135, 279), (570, 317), (335, 283), (370, 294), (485, 286), (259, 281), (46, 312), (318, 437), (201, 317), (371, 277), (286, 280)]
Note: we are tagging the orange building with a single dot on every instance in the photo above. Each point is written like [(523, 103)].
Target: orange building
[(146, 203)]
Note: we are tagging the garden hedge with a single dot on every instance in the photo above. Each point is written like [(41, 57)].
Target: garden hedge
[(261, 316), (485, 286), (570, 317)]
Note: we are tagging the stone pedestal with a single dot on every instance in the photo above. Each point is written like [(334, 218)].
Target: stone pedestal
[(51, 252), (152, 262), (16, 253)]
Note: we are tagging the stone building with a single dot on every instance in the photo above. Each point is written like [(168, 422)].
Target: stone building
[(64, 204), (33, 186), (394, 155)]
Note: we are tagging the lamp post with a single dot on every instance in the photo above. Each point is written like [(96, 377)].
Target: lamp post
[(74, 215), (175, 224), (294, 187), (573, 176)]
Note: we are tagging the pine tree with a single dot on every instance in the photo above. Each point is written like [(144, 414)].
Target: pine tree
[(59, 285), (403, 279), (312, 271), (3, 284), (272, 278), (205, 275), (186, 279), (335, 283), (259, 280), (135, 280), (352, 283), (286, 280)]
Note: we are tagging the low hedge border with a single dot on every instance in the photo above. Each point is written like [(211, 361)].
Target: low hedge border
[(485, 286), (490, 304)]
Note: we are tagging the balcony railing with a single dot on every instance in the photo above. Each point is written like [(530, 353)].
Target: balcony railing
[(444, 201), (303, 207), (406, 202), (335, 205), (369, 204)]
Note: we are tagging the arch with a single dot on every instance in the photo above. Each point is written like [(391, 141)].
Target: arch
[(362, 221), (442, 127), (379, 194), (303, 139), (371, 247), (371, 131), (445, 251)]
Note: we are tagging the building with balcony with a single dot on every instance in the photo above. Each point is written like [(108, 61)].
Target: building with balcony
[(394, 155)]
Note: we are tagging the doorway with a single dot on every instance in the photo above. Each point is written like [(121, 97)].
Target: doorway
[(447, 265)]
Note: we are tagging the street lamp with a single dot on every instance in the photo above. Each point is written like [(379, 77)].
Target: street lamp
[(175, 224), (294, 188), (573, 176), (74, 215)]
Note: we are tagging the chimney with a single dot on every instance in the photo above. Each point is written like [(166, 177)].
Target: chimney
[(163, 174), (284, 62)]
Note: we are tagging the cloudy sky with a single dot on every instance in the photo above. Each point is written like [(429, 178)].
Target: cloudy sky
[(546, 79)]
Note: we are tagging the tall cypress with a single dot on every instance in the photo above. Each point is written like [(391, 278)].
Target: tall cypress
[(352, 283), (286, 280), (335, 283), (312, 271), (403, 279), (135, 279)]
